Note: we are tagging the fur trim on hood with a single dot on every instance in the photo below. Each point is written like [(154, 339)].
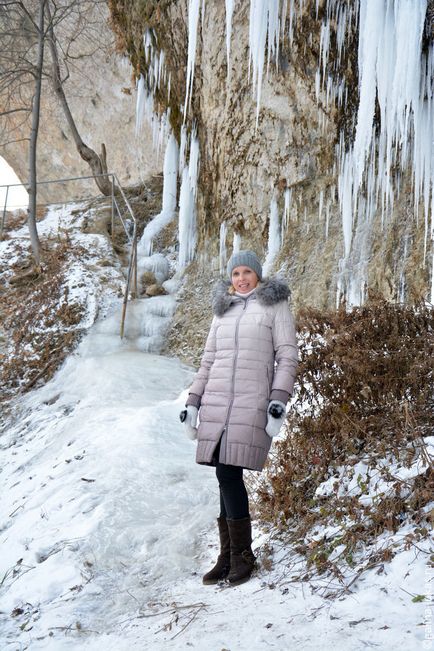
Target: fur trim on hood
[(268, 292)]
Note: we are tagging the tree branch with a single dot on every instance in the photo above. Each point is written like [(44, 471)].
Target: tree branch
[(12, 142), (17, 110)]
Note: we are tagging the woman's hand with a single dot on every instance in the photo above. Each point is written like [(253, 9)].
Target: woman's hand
[(188, 418), (276, 413)]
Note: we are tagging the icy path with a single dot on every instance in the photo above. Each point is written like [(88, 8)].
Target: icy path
[(96, 478), (106, 527)]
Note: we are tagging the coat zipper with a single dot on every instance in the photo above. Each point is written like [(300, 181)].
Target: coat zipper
[(237, 325)]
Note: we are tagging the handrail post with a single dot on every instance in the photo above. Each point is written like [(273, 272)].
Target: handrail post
[(132, 267), (4, 212), (135, 262), (124, 311), (113, 205), (125, 301)]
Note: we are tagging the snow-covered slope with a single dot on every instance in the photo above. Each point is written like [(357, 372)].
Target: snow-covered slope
[(107, 524), (96, 481)]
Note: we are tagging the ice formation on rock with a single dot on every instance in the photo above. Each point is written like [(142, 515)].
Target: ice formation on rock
[(170, 172), (187, 206), (274, 232)]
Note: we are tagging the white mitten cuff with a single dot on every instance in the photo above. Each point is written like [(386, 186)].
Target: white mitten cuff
[(190, 423)]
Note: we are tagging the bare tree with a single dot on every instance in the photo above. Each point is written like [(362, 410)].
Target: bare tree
[(36, 104), (98, 164), (27, 30)]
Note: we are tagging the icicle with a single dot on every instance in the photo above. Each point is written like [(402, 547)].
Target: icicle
[(155, 60), (170, 173), (140, 103), (229, 14), (273, 237), (161, 69), (432, 278), (147, 44), (324, 46), (187, 222), (341, 18), (320, 205), (236, 243), (182, 148), (257, 36), (193, 20), (344, 18), (187, 206), (286, 210), (160, 127), (222, 248), (372, 18), (317, 84), (283, 14), (345, 189), (291, 22), (146, 88), (273, 33), (392, 71), (193, 166), (432, 245), (327, 222), (264, 28)]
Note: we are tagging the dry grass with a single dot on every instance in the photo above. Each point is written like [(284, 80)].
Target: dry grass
[(194, 308), (40, 325), (365, 393)]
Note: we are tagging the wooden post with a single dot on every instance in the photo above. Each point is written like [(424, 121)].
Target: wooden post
[(125, 302), (113, 205), (135, 261)]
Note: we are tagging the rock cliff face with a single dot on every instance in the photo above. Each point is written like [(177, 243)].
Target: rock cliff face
[(337, 239), (314, 142), (102, 99)]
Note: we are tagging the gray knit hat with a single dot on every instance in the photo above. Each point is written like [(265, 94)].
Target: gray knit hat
[(245, 259)]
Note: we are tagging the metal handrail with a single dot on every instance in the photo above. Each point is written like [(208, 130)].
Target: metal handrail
[(115, 211), (132, 267)]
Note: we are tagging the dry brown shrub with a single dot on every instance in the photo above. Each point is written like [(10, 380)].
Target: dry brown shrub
[(365, 392), (38, 320)]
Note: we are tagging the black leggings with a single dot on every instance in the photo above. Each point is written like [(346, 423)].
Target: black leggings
[(234, 503)]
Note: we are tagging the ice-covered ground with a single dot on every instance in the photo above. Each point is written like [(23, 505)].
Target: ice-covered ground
[(107, 523), (96, 479)]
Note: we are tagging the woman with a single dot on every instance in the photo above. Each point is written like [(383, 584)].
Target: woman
[(244, 381)]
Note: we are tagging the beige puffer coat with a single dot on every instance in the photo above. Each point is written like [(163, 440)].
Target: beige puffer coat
[(250, 358)]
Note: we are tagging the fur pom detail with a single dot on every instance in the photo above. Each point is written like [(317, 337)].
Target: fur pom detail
[(272, 290), (221, 299)]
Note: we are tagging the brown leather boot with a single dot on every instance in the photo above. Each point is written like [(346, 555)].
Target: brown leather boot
[(222, 567), (242, 557)]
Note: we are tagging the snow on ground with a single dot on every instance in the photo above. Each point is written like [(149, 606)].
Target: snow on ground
[(95, 278), (107, 524)]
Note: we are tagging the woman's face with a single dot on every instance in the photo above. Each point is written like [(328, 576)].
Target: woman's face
[(244, 279)]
